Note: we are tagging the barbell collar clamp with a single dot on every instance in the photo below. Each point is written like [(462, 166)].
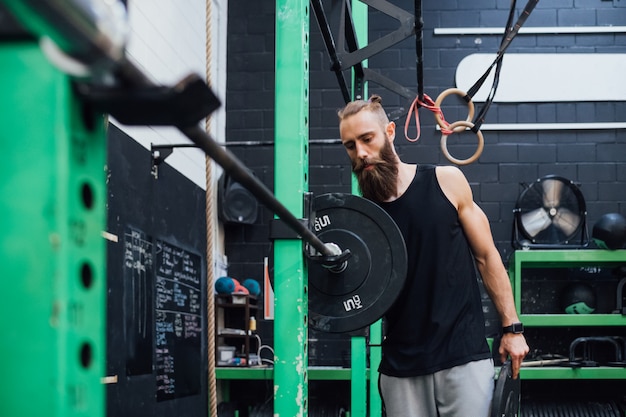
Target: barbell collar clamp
[(334, 263)]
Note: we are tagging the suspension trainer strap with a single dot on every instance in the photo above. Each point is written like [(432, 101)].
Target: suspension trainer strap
[(510, 32), (480, 117), (507, 29), (419, 46), (421, 100)]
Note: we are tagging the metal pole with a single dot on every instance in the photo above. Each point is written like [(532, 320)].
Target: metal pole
[(291, 182), (359, 398)]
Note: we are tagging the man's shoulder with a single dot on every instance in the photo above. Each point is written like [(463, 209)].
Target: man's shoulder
[(450, 171), (453, 184)]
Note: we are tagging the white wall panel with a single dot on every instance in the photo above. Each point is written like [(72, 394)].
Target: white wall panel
[(168, 41), (529, 78)]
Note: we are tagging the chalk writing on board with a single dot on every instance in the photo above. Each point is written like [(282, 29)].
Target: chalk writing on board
[(137, 301), (178, 321)]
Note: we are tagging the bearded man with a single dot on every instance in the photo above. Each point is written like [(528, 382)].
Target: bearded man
[(435, 358)]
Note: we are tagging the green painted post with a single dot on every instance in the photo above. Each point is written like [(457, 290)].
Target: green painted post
[(290, 184), (375, 403), (52, 253), (358, 377), (359, 397)]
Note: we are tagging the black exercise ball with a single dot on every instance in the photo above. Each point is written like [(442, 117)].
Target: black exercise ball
[(609, 232), (578, 298)]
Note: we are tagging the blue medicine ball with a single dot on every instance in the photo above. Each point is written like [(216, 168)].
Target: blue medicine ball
[(252, 285), (224, 285)]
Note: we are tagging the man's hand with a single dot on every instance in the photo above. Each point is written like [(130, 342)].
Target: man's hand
[(514, 346)]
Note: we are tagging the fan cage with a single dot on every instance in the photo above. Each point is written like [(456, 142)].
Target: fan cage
[(578, 238)]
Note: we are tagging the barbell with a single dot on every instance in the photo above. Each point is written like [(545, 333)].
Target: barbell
[(357, 271)]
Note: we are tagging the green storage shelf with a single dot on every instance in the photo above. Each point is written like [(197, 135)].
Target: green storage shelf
[(569, 320), (567, 257), (527, 259), (557, 372), (570, 258), (314, 373)]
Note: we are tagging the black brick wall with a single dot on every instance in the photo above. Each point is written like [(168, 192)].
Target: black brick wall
[(593, 159), (590, 158)]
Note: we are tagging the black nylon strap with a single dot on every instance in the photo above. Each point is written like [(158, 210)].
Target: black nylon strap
[(419, 53), (474, 89), (480, 116), (509, 33)]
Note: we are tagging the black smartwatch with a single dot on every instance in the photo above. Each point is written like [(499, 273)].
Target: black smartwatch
[(517, 328)]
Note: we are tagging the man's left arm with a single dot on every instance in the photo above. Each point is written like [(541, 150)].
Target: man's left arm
[(495, 277)]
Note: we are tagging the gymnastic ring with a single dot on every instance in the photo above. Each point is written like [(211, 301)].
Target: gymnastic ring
[(443, 95), (454, 127)]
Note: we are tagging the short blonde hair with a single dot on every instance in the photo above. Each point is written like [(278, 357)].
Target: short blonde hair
[(373, 105)]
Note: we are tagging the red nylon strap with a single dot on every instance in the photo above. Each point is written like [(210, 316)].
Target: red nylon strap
[(429, 104)]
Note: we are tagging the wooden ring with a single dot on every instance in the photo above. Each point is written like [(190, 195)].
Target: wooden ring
[(442, 96), (454, 127)]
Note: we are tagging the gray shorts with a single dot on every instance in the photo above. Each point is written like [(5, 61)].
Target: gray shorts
[(462, 391)]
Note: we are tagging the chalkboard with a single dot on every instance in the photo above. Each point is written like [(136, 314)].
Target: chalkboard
[(152, 223), (178, 321), (174, 299)]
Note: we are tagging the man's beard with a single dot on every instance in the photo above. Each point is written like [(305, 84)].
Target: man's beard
[(381, 182)]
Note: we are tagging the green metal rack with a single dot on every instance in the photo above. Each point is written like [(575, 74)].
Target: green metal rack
[(524, 260), (291, 373), (291, 182), (51, 248), (363, 404)]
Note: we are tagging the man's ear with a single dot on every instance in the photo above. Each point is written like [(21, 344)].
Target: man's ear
[(391, 131)]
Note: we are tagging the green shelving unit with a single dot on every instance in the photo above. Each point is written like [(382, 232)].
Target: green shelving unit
[(521, 264)]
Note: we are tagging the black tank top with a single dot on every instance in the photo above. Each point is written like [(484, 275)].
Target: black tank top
[(437, 322)]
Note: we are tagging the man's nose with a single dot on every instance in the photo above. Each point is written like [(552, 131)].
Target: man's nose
[(361, 151)]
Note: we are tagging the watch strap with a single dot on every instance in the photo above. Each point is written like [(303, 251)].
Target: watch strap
[(516, 328)]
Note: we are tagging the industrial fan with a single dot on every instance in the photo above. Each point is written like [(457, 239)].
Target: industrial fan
[(550, 213)]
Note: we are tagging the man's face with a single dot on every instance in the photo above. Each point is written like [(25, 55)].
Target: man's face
[(373, 158)]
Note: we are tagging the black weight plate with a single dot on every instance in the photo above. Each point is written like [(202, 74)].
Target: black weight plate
[(375, 272), (506, 396)]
